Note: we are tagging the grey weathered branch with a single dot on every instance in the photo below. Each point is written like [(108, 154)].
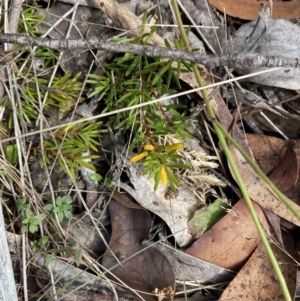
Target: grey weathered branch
[(7, 281), (238, 60)]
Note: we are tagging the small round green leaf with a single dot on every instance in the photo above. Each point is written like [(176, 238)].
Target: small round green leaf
[(96, 177)]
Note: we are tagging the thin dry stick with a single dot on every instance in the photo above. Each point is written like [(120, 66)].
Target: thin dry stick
[(11, 27), (196, 90), (237, 60)]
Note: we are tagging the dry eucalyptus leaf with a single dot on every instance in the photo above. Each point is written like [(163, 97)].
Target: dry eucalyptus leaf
[(285, 175), (260, 192), (187, 267), (265, 286), (267, 150), (226, 120), (249, 9), (281, 39), (231, 240), (148, 269)]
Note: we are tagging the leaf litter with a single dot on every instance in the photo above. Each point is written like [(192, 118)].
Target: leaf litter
[(231, 244), (282, 37), (232, 240), (250, 9), (145, 271), (258, 268)]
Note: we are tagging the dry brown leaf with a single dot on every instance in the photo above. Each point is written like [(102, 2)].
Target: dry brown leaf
[(249, 9), (126, 20), (294, 192), (260, 192), (257, 281), (266, 150), (230, 241), (275, 222), (285, 175), (148, 269), (189, 267)]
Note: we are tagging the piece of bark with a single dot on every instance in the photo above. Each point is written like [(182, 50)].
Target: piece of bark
[(7, 281)]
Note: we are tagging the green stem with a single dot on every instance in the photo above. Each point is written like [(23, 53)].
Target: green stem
[(232, 164), (262, 175)]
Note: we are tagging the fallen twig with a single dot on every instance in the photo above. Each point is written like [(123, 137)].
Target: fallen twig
[(236, 60)]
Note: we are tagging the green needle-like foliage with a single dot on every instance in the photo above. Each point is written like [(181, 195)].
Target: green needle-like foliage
[(63, 90), (130, 85), (131, 79), (70, 144), (29, 21)]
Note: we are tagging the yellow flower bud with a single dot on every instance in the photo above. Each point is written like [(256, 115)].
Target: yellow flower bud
[(149, 147), (163, 176), (139, 157), (173, 146)]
